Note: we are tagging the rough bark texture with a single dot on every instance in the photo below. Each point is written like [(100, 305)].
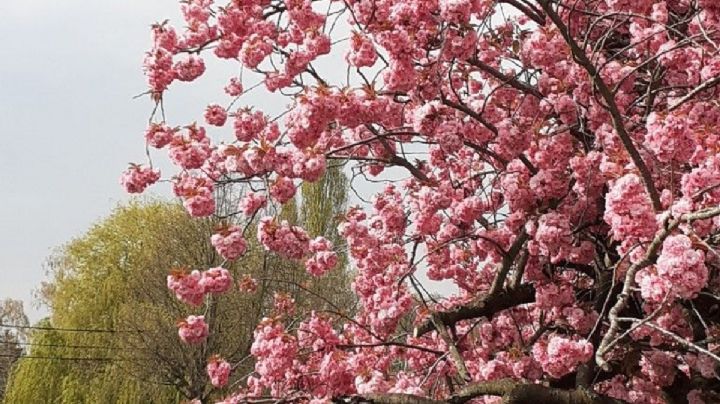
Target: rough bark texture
[(484, 307)]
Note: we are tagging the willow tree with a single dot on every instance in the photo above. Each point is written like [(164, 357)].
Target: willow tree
[(113, 278), (12, 336)]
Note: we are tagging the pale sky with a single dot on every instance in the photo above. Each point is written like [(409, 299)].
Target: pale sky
[(69, 124)]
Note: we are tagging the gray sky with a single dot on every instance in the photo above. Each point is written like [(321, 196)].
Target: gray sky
[(69, 125)]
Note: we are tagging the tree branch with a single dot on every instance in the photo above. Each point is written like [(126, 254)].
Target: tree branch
[(629, 283), (704, 86), (505, 79), (507, 261), (582, 59), (512, 391), (486, 306)]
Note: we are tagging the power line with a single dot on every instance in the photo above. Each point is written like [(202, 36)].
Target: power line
[(67, 329), (65, 358), (70, 346)]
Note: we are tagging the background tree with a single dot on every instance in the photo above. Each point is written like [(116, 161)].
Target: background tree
[(113, 279), (12, 337)]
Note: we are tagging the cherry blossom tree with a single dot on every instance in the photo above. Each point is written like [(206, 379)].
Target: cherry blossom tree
[(556, 160)]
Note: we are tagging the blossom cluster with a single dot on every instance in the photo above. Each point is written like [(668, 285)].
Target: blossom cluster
[(192, 287), (557, 165)]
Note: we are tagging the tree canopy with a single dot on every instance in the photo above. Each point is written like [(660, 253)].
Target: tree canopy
[(556, 160)]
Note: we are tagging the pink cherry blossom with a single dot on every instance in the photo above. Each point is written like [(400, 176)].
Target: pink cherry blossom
[(234, 87), (216, 280), (282, 238), (561, 355), (218, 371), (252, 202), (137, 178), (551, 167), (215, 115), (187, 287), (159, 135), (229, 242), (282, 190), (189, 69), (193, 330)]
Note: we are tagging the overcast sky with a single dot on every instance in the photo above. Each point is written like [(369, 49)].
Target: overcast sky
[(68, 72), (69, 124)]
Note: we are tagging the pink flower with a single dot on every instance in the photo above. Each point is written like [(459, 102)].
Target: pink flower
[(670, 138), (215, 115), (469, 209), (159, 69), (189, 69), (165, 37), (255, 50), (218, 371), (200, 205), (288, 241), (628, 210), (456, 11), (561, 355), (680, 271), (193, 330), (251, 202), (234, 87), (659, 367), (229, 242), (187, 286), (282, 190), (321, 262), (216, 280), (136, 178), (248, 125), (192, 150), (362, 52), (159, 135)]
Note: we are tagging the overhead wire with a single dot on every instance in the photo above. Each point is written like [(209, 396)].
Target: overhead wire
[(68, 346), (97, 330), (67, 358)]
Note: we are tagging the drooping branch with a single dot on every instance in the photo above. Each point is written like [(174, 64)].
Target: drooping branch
[(618, 122)]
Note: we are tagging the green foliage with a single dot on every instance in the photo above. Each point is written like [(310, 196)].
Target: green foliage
[(113, 278)]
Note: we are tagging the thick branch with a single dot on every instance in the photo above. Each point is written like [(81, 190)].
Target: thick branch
[(484, 307), (454, 353), (507, 261), (512, 391), (582, 59)]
